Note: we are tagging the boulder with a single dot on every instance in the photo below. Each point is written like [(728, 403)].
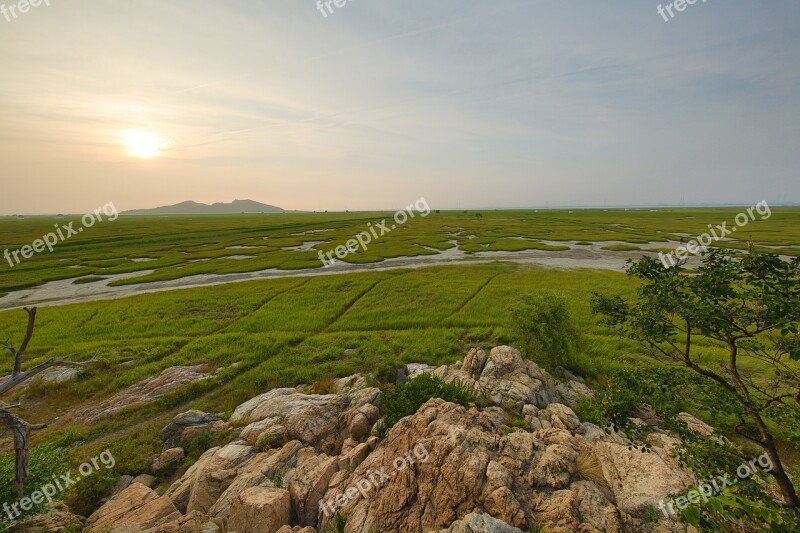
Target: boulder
[(480, 523), (137, 506), (259, 510), (190, 424), (503, 376), (206, 480), (322, 421), (168, 459)]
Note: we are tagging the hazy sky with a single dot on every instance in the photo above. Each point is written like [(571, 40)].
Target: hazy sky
[(500, 103)]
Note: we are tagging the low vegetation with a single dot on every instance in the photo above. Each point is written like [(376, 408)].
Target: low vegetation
[(405, 399), (544, 329)]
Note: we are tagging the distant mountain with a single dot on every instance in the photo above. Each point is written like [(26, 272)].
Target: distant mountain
[(194, 208)]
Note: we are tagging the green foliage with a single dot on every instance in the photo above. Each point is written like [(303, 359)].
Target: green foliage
[(45, 462), (732, 513), (746, 306), (405, 399), (278, 481), (670, 391), (545, 329), (85, 497)]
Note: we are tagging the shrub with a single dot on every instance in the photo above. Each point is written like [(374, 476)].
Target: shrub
[(405, 399), (545, 330)]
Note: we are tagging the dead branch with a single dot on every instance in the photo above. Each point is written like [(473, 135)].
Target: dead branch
[(21, 377), (21, 429)]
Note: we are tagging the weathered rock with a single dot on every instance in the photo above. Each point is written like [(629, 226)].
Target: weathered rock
[(412, 370), (460, 470), (145, 391), (136, 506), (516, 478), (480, 523), (695, 424), (321, 421), (262, 471), (504, 377), (259, 510), (168, 459), (572, 391), (190, 424), (559, 416), (122, 483), (349, 383), (145, 479), (206, 480)]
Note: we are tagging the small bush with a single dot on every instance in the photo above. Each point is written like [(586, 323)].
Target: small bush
[(404, 400), (545, 330)]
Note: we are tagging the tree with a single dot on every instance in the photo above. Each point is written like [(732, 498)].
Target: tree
[(20, 429), (747, 306), (545, 329)]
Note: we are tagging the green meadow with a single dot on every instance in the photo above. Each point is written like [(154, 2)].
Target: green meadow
[(168, 248)]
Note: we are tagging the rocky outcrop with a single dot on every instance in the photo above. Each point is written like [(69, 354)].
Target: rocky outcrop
[(303, 458), (321, 421), (137, 506), (259, 510), (519, 478), (503, 376), (145, 391)]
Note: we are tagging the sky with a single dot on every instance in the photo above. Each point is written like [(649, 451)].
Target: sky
[(469, 104)]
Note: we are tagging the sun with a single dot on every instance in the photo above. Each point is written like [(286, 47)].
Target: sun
[(142, 144)]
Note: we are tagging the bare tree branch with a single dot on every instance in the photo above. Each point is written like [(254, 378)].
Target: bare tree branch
[(19, 357), (20, 429), (20, 377)]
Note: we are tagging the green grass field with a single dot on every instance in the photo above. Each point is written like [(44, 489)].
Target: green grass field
[(177, 247)]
